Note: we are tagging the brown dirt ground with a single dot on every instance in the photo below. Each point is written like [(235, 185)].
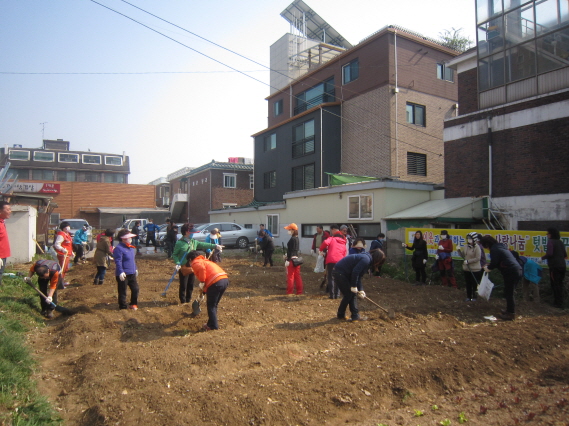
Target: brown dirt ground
[(288, 361)]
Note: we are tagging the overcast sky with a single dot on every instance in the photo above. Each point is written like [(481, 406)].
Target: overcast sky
[(108, 84)]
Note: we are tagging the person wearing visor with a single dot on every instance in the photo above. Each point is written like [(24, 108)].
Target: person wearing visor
[(125, 271), (293, 278)]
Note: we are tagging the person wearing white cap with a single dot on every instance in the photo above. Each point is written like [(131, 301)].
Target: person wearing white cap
[(125, 271)]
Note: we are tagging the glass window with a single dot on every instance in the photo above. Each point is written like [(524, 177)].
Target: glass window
[(444, 73), (551, 14), (42, 175), (321, 93), (350, 71), (91, 159), (270, 179), (113, 161), (303, 139), (270, 142), (114, 178), (490, 37), (273, 224), (519, 25), (491, 72), (485, 9), (303, 177), (520, 62), (553, 51), (360, 207), (92, 177), (20, 173), (278, 107), (44, 156), (229, 180), (19, 155), (415, 114), (66, 176), (511, 4), (68, 158), (416, 164)]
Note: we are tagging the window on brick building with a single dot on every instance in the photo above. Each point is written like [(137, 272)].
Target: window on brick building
[(44, 156), (360, 207), (303, 177), (270, 142), (416, 164), (43, 174), (66, 176), (445, 73), (350, 71), (251, 181), (303, 139), (270, 179), (19, 155), (91, 159), (229, 180), (415, 114), (278, 107)]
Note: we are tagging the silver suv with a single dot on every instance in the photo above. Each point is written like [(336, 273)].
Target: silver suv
[(232, 234)]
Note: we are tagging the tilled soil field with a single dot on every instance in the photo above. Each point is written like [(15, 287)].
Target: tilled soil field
[(281, 360)]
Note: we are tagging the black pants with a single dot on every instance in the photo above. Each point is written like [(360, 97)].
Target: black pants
[(78, 252), (214, 293), (472, 279), (332, 287), (349, 299), (44, 288), (151, 236), (420, 274), (186, 287), (511, 280), (131, 283), (556, 276), (268, 254)]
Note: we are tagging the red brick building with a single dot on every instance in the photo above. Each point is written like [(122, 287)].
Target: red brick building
[(510, 140)]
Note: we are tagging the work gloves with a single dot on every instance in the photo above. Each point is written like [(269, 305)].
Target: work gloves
[(311, 252), (424, 261), (354, 289), (261, 251), (466, 261), (178, 267), (218, 247), (27, 280), (403, 245), (436, 256), (287, 263), (48, 299), (441, 248), (202, 286), (362, 294), (122, 276)]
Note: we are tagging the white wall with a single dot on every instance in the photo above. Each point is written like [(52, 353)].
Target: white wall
[(533, 207), (22, 231)]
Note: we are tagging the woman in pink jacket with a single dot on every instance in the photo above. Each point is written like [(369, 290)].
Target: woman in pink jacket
[(336, 249)]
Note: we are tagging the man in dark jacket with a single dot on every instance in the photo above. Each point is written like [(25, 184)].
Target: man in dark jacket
[(555, 256), (318, 239), (267, 247), (151, 230), (170, 240)]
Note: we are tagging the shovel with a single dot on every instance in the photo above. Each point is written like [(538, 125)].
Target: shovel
[(196, 309), (390, 312), (61, 309)]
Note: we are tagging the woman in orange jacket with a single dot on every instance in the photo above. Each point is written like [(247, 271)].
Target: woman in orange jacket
[(213, 282)]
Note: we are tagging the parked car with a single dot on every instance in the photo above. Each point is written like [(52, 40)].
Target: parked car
[(77, 224), (232, 234)]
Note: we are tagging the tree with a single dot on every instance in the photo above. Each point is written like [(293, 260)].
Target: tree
[(454, 40)]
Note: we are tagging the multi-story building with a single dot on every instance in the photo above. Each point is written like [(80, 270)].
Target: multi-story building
[(55, 162), (162, 191), (215, 185), (510, 139), (374, 109)]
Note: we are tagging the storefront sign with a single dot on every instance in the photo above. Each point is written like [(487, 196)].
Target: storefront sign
[(38, 188), (532, 244)]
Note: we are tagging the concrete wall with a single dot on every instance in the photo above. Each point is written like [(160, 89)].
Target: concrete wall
[(539, 208), (22, 231)]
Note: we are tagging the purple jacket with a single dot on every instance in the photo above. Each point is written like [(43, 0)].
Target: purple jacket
[(124, 259)]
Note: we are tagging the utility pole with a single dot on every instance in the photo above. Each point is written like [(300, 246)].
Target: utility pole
[(43, 130)]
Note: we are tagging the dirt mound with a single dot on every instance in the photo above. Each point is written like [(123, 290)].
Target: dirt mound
[(279, 361)]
